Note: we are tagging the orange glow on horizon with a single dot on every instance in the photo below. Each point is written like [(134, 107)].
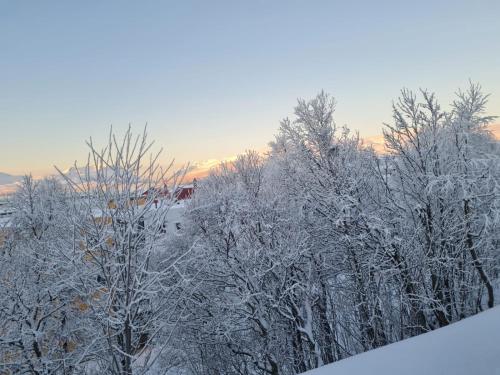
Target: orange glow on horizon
[(378, 144), (202, 168)]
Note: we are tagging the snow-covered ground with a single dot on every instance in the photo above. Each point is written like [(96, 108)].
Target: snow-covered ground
[(469, 347)]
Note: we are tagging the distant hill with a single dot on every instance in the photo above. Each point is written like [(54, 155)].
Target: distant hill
[(8, 183), (6, 179)]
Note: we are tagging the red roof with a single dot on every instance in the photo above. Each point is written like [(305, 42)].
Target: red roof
[(184, 192)]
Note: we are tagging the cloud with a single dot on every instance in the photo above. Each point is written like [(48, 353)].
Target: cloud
[(202, 168), (495, 130), (377, 142)]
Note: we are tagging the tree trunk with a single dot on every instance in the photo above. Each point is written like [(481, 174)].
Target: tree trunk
[(475, 259)]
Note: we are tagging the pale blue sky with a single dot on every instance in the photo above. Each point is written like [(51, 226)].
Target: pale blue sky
[(214, 78)]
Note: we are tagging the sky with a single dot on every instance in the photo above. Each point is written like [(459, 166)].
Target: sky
[(214, 78)]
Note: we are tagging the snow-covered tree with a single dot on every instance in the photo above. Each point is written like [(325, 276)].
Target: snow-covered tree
[(123, 274), (316, 251), (442, 180), (323, 249), (38, 334)]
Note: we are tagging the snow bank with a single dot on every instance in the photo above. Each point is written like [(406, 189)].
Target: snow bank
[(471, 346)]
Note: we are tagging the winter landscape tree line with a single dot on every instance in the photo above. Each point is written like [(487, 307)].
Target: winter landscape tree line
[(316, 251)]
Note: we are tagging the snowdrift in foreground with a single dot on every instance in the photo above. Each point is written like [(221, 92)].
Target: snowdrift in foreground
[(471, 346)]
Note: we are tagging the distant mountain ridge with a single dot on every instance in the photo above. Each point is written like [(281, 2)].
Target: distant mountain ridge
[(8, 183), (6, 179)]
